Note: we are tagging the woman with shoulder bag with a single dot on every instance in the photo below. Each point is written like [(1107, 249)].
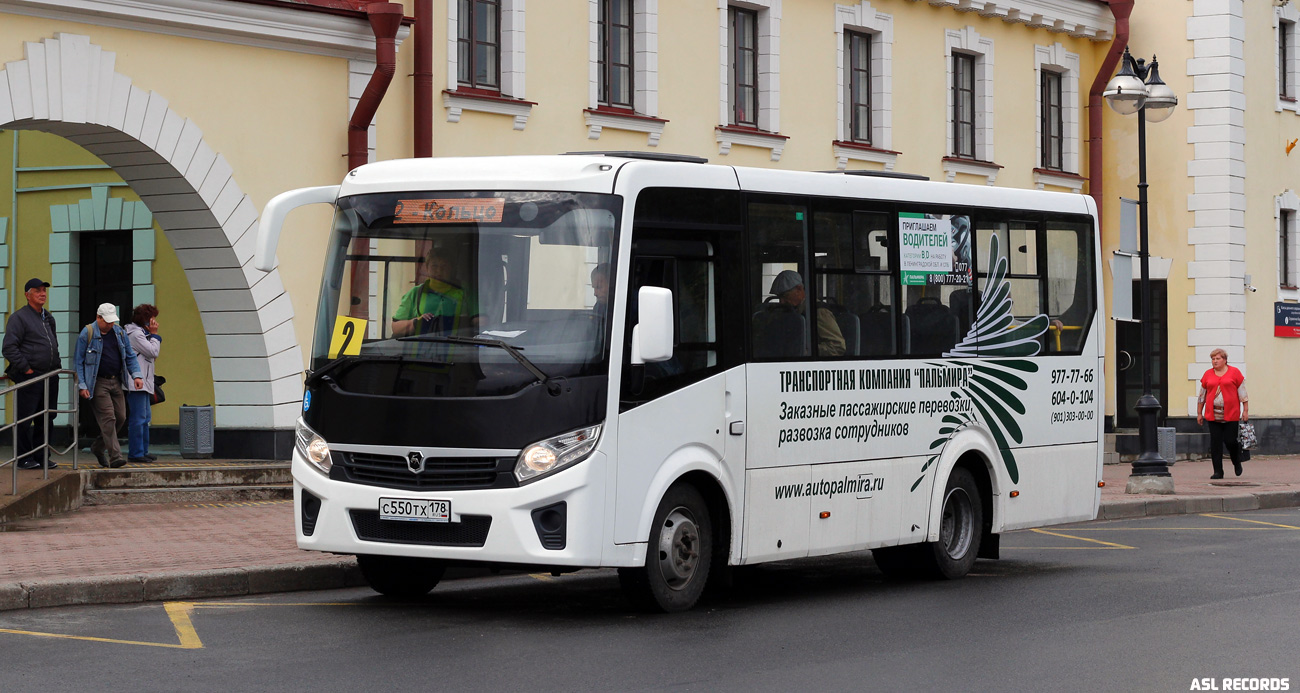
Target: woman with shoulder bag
[(1221, 400), (143, 333)]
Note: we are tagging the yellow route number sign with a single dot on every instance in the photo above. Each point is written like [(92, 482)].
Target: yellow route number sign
[(348, 333)]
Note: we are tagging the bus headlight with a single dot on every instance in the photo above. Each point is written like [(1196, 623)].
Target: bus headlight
[(313, 448), (550, 455)]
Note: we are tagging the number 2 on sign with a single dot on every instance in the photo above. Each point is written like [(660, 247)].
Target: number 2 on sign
[(348, 333)]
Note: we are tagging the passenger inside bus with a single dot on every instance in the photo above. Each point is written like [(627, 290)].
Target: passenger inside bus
[(773, 326), (436, 305), (600, 287)]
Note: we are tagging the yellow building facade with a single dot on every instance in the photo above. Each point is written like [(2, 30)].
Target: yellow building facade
[(203, 110)]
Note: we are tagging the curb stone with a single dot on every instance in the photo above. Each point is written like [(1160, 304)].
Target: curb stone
[(195, 585), (13, 596), (110, 589), (171, 586)]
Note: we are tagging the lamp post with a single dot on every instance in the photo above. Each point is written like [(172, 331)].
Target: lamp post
[(1137, 88)]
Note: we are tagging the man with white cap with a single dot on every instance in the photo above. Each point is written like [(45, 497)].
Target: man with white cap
[(788, 288), (103, 358)]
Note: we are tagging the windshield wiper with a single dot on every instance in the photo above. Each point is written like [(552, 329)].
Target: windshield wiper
[(319, 373), (552, 387)]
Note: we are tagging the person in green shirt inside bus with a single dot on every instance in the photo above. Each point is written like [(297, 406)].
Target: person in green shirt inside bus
[(436, 305)]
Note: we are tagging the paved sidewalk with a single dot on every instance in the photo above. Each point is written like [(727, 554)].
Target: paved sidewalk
[(123, 554)]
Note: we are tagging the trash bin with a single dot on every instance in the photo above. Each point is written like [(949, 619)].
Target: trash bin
[(197, 430), (1167, 443)]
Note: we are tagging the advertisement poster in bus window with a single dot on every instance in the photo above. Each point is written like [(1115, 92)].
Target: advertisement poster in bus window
[(934, 249)]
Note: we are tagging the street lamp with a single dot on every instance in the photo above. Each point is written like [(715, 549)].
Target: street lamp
[(1137, 88)]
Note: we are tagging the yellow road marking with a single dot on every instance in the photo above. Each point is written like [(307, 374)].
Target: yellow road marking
[(1180, 529), (541, 576), (178, 612), (1094, 541), (1064, 548), (1242, 519), (205, 605)]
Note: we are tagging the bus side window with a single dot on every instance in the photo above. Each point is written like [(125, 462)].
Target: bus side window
[(1069, 285), (854, 284), (1019, 245), (780, 288)]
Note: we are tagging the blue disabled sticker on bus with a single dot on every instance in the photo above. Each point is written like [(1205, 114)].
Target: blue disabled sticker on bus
[(306, 400)]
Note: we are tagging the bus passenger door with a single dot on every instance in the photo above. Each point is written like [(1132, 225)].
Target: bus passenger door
[(675, 412)]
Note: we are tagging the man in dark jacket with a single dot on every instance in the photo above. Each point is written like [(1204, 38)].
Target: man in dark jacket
[(31, 345)]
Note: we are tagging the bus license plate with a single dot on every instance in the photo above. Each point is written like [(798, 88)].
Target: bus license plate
[(409, 510)]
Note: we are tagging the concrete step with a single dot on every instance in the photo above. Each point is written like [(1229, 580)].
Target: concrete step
[(191, 494), (141, 477)]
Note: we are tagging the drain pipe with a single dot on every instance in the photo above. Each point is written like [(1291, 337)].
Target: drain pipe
[(423, 78), (385, 19), (1121, 9)]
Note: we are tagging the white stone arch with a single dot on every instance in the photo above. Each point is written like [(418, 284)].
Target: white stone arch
[(68, 87)]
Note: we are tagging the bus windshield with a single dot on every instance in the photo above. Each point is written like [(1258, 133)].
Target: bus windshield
[(465, 294)]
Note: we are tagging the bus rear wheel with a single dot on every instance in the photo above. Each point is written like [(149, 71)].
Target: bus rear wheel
[(679, 555), (400, 577), (960, 530), (961, 526)]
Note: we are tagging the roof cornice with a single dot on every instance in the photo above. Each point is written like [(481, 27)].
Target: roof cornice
[(1090, 19), (275, 25)]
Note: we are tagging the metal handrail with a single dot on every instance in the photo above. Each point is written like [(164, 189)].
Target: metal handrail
[(45, 411)]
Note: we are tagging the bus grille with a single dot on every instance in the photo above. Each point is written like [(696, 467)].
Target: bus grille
[(440, 473), (472, 530)]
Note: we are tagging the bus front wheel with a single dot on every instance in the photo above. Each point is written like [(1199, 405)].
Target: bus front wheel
[(678, 557), (400, 577)]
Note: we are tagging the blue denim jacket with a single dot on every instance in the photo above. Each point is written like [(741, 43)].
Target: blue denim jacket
[(85, 358)]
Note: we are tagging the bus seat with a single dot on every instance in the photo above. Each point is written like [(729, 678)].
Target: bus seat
[(848, 323), (934, 328), (877, 329), (779, 332)]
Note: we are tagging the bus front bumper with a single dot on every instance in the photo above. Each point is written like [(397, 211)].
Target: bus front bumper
[(486, 525)]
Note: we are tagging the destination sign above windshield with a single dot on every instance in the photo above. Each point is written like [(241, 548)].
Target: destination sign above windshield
[(484, 210)]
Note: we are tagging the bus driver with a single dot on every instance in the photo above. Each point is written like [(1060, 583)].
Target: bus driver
[(788, 288), (436, 305)]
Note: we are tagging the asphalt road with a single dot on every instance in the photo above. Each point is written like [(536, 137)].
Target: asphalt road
[(1133, 605)]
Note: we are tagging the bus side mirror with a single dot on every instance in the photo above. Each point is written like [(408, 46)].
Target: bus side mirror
[(268, 227), (652, 338)]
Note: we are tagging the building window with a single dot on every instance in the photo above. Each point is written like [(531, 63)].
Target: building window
[(1283, 49), (744, 67), (1286, 247), (1053, 123), (858, 96), (963, 105), (1285, 20), (479, 44), (617, 75)]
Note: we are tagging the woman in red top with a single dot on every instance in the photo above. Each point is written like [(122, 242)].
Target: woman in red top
[(1221, 400)]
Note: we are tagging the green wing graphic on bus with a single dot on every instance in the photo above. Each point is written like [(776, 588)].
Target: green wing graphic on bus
[(995, 384), (995, 332)]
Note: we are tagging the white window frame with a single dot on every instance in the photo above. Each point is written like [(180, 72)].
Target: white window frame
[(864, 19), (1056, 58), (967, 40), (769, 78), (1290, 202), (1287, 15), (645, 66), (511, 102)]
